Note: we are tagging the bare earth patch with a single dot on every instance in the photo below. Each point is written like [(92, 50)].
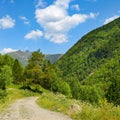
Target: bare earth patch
[(27, 109)]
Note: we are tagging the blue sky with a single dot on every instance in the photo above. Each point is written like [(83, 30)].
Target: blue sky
[(51, 25)]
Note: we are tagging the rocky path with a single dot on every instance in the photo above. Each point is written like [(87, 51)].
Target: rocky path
[(27, 109)]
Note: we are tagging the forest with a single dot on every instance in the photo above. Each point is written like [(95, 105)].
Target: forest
[(92, 65), (37, 73)]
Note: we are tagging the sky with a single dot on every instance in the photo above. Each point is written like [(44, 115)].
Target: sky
[(53, 26)]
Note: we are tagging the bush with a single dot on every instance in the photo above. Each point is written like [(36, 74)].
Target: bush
[(113, 94), (89, 94), (62, 87), (2, 94)]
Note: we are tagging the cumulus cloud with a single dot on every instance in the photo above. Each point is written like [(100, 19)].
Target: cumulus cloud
[(64, 4), (7, 50), (34, 34), (40, 3), (57, 37), (57, 22), (7, 22), (76, 7), (25, 20), (111, 19)]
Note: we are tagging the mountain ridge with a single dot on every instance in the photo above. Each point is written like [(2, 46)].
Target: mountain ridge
[(24, 56)]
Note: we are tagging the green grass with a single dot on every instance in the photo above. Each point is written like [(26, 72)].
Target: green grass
[(54, 102), (59, 103), (105, 112)]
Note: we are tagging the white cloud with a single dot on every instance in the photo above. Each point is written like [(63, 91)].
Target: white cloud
[(57, 22), (67, 23), (111, 19), (7, 50), (34, 34), (64, 4), (76, 7), (56, 37), (7, 22), (40, 3), (25, 20), (50, 14)]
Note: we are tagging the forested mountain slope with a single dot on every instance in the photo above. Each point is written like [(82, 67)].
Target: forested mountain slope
[(95, 59)]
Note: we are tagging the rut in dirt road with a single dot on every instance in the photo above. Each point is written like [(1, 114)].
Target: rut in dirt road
[(27, 109)]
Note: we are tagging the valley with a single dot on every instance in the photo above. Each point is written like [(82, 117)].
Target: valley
[(86, 76)]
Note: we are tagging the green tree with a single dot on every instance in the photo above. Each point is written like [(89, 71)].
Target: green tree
[(17, 72), (64, 88), (34, 70), (5, 77), (8, 60), (61, 87), (50, 76), (1, 60), (34, 77), (113, 94), (36, 59)]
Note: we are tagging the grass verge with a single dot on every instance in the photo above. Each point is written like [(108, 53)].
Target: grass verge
[(59, 103)]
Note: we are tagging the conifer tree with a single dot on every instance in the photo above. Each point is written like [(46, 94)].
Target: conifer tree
[(17, 72), (34, 70)]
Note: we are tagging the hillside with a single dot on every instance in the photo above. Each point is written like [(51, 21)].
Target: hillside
[(24, 56), (94, 61)]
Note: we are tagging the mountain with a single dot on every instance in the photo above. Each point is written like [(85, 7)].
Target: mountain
[(94, 61), (53, 57), (21, 56), (24, 56)]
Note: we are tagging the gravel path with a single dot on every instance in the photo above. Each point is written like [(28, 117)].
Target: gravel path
[(27, 109)]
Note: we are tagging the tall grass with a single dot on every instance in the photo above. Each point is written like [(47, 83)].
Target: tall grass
[(59, 103), (54, 102), (98, 112)]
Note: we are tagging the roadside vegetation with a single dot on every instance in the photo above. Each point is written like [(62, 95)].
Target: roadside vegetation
[(76, 109), (79, 110)]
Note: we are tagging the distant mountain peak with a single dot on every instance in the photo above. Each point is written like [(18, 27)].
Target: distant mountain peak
[(23, 56)]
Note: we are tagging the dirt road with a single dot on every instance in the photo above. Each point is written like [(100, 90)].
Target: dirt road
[(27, 109)]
